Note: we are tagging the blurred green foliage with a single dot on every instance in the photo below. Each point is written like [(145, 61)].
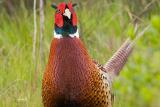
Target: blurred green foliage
[(156, 22), (104, 26)]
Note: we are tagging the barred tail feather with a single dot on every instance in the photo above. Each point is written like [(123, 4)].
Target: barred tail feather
[(118, 60)]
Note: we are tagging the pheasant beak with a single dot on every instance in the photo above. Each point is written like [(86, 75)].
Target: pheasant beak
[(67, 13)]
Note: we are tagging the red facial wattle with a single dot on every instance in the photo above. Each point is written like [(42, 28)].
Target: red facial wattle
[(59, 14), (61, 7), (59, 20), (74, 19)]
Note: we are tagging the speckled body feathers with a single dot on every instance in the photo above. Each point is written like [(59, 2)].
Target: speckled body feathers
[(71, 79)]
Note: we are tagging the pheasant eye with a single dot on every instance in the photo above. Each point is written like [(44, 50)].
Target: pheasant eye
[(72, 10), (58, 11)]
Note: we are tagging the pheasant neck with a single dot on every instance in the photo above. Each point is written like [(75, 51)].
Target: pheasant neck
[(66, 31)]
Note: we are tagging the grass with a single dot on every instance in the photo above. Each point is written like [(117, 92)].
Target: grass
[(103, 28)]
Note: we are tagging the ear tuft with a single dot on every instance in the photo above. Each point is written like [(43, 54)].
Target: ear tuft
[(53, 5), (74, 4)]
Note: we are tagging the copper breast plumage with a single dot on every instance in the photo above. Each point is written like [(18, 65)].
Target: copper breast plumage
[(71, 79)]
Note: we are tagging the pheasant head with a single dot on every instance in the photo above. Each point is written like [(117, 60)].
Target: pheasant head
[(65, 20)]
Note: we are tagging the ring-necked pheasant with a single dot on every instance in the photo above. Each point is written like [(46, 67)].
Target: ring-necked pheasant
[(72, 78)]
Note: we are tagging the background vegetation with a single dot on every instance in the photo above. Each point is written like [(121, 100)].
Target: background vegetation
[(103, 27)]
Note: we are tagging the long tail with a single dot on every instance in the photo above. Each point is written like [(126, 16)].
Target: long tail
[(119, 58)]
